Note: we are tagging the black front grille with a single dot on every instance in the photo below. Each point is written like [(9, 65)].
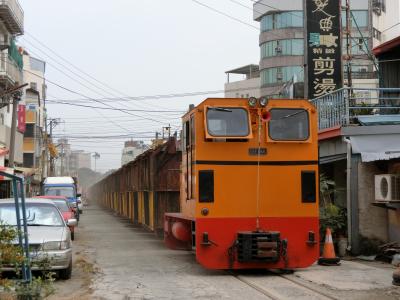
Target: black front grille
[(258, 246)]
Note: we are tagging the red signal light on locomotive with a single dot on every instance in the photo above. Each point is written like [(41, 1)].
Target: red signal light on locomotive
[(265, 116)]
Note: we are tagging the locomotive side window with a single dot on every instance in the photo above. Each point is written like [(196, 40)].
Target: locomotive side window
[(308, 187), (206, 186), (228, 122), (288, 124)]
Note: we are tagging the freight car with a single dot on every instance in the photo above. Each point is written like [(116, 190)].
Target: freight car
[(249, 185), (144, 189)]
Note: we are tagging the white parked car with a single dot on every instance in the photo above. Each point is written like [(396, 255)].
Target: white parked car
[(48, 234)]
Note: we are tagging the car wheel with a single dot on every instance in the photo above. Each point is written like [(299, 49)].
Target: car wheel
[(73, 235), (66, 273)]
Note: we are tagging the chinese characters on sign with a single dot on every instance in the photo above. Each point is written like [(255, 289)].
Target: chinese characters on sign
[(324, 47)]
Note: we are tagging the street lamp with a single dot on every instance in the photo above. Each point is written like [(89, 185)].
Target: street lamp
[(96, 156)]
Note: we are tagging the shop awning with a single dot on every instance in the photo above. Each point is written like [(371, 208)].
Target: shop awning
[(375, 142), (26, 171), (376, 147)]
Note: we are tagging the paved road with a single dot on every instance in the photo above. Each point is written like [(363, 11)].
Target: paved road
[(132, 263), (113, 259)]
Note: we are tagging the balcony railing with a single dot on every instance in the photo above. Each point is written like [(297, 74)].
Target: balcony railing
[(12, 16), (342, 107), (9, 70)]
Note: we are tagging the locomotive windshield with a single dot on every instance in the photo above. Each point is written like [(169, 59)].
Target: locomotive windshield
[(228, 122), (289, 124)]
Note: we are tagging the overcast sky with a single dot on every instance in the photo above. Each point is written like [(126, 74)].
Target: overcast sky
[(136, 48)]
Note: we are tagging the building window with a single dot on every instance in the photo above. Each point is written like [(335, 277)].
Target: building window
[(357, 46), (359, 18), (281, 75), (377, 34), (361, 71), (29, 131), (28, 160), (282, 47), (281, 20)]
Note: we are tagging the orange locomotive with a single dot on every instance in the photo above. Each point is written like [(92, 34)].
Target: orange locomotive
[(249, 185)]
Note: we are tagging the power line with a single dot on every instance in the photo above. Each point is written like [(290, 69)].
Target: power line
[(226, 15), (75, 67), (115, 109), (93, 99), (164, 96), (82, 95)]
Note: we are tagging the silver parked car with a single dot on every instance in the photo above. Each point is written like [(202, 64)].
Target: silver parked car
[(48, 234)]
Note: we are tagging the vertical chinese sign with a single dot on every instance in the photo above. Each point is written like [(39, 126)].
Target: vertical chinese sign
[(324, 47)]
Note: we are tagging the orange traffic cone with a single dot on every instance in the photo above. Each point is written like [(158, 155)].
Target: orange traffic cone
[(328, 255)]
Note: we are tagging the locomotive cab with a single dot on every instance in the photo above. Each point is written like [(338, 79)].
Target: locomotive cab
[(249, 182)]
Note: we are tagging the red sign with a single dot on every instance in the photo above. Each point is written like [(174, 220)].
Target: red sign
[(21, 118)]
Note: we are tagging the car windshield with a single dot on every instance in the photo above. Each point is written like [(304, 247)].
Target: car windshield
[(228, 122), (61, 205), (65, 191), (37, 214)]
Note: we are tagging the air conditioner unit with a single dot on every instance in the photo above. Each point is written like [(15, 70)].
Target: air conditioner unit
[(387, 188), (278, 50), (279, 76)]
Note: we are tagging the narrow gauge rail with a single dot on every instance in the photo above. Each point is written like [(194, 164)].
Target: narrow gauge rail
[(247, 185), (144, 189)]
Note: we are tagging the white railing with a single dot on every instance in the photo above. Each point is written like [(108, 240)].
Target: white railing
[(9, 69), (16, 10), (343, 106)]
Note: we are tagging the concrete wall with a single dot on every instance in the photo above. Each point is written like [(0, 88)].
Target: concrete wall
[(373, 221), (243, 89)]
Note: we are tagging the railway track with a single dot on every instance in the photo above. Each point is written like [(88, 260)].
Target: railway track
[(282, 287)]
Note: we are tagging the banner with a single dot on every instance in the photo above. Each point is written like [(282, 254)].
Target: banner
[(21, 118), (324, 59)]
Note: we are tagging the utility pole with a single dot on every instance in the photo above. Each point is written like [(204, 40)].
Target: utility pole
[(62, 155), (17, 93), (348, 44), (52, 123), (14, 117)]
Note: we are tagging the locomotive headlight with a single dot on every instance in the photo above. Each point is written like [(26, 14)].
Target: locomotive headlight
[(252, 101), (263, 101)]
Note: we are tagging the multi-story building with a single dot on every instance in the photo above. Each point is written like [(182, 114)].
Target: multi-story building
[(70, 161), (79, 159), (35, 154), (282, 43), (246, 87), (11, 64), (131, 150)]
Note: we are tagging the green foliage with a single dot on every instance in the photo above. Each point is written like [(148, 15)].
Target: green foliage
[(363, 111), (333, 217), (330, 215), (12, 255)]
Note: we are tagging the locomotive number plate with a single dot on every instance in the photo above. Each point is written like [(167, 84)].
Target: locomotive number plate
[(257, 151)]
